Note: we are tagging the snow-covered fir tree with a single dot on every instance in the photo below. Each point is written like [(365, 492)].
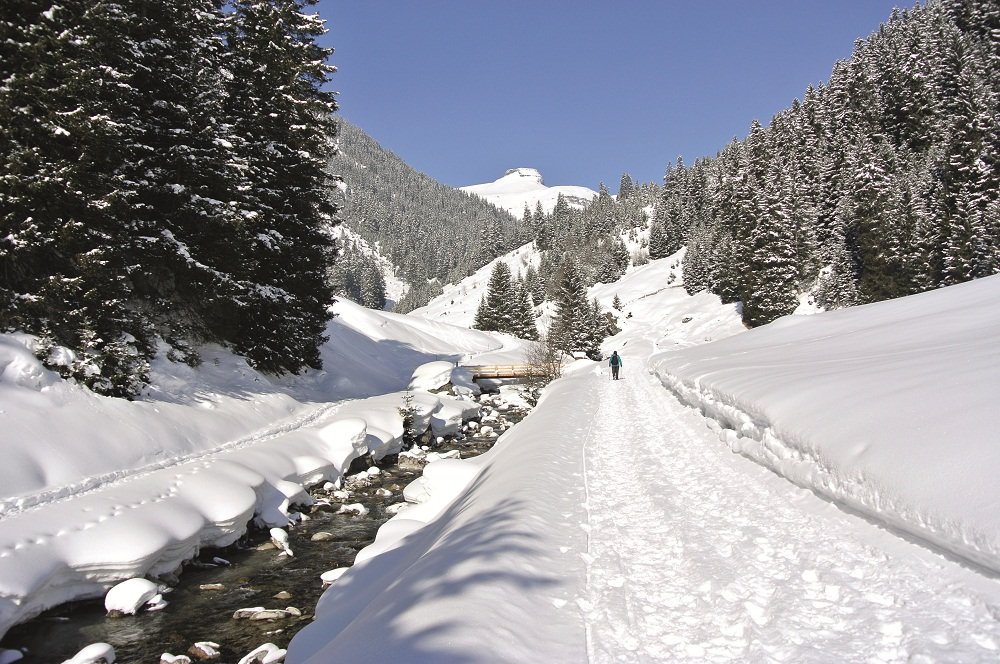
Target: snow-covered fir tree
[(146, 192), (433, 233), (357, 275), (881, 183), (506, 306), (524, 322), (575, 327), (283, 130)]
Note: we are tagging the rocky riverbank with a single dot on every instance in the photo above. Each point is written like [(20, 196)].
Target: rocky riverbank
[(245, 602)]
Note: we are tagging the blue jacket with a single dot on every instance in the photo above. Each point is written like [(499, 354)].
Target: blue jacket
[(616, 361)]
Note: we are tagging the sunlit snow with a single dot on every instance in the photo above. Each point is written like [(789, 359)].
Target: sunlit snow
[(819, 489), (524, 186)]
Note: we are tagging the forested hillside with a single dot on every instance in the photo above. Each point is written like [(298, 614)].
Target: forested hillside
[(592, 237), (433, 233), (163, 178), (883, 182)]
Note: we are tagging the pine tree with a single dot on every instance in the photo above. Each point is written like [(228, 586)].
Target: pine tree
[(141, 171), (535, 285), (597, 330), (283, 131), (543, 230), (625, 187), (372, 284), (524, 323), (571, 329), (560, 221), (484, 319), (659, 244), (499, 309), (696, 263), (771, 286), (491, 241)]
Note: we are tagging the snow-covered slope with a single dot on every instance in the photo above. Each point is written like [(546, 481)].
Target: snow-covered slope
[(652, 295), (458, 303), (612, 525), (885, 408), (524, 186), (395, 288), (96, 490)]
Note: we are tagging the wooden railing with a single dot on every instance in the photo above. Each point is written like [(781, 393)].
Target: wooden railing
[(502, 370)]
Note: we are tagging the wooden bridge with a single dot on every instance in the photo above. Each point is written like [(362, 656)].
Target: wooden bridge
[(503, 370)]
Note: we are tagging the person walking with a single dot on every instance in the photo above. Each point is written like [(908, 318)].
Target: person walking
[(615, 362)]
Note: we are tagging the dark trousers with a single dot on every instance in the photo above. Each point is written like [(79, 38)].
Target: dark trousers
[(614, 371)]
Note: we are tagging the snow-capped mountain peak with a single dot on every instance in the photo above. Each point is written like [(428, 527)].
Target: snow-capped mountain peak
[(523, 175), (524, 186)]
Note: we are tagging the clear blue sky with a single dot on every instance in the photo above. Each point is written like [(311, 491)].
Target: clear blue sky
[(582, 90)]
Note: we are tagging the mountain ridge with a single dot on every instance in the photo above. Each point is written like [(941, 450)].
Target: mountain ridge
[(524, 186)]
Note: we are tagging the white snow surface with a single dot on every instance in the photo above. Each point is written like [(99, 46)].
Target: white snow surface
[(524, 186), (98, 490), (458, 303), (613, 525), (94, 653), (431, 376), (395, 288), (855, 522), (129, 596), (884, 408)]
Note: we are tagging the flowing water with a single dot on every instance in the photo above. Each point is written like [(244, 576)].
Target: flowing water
[(202, 603)]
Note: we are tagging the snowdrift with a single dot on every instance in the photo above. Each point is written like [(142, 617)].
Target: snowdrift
[(94, 490), (884, 408), (472, 573), (524, 186)]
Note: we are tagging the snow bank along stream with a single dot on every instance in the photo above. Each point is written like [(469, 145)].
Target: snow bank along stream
[(149, 524)]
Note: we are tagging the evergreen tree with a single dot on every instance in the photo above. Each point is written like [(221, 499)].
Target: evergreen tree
[(659, 244), (696, 263), (883, 182), (625, 187), (142, 177), (770, 288), (283, 130), (572, 325), (534, 284), (597, 330), (484, 319), (358, 276), (499, 309), (524, 323), (491, 241)]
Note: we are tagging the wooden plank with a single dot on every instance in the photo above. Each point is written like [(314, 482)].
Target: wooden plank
[(500, 370)]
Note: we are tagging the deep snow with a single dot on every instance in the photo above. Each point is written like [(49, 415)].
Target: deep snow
[(99, 490), (524, 186), (691, 552), (885, 408), (610, 525)]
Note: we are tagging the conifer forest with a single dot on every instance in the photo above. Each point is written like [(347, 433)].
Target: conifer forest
[(883, 182), (171, 174), (154, 191)]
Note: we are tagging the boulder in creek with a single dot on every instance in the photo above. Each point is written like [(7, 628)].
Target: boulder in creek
[(321, 536), (204, 651)]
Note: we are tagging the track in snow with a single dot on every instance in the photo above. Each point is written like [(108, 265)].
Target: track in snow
[(305, 416), (698, 554)]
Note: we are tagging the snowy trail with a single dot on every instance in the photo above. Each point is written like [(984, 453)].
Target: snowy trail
[(698, 554), (306, 416)]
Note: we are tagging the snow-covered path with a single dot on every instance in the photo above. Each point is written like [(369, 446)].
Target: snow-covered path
[(698, 554)]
